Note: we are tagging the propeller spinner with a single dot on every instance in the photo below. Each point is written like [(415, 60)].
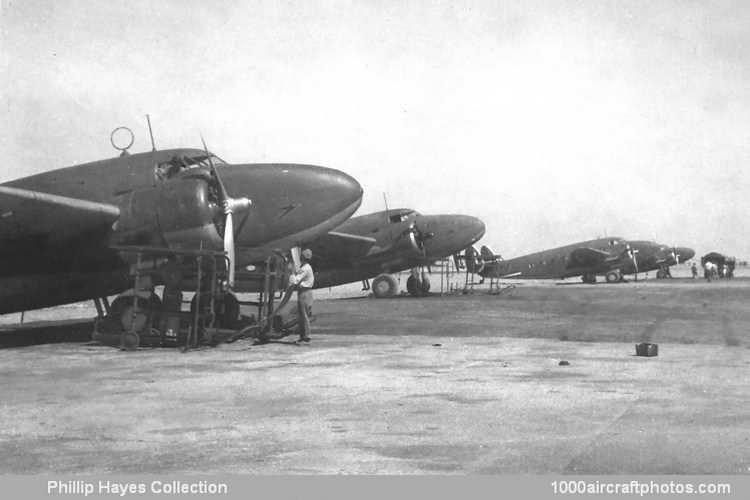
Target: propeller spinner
[(228, 206)]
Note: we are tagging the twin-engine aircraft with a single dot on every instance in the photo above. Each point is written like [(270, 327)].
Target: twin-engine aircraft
[(652, 256), (585, 259), (614, 257), (379, 244), (64, 234)]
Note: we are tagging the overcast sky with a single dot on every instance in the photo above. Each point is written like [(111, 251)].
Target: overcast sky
[(552, 121)]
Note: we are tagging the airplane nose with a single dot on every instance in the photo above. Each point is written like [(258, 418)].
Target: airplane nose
[(450, 233), (473, 227), (288, 200), (685, 253)]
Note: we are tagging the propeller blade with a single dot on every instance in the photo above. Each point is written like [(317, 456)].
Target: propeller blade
[(223, 196), (229, 247), (635, 261), (228, 206)]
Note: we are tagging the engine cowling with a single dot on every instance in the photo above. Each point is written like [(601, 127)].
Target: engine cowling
[(177, 213)]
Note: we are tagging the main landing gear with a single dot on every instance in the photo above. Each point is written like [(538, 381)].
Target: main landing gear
[(588, 278), (138, 317), (418, 283), (385, 286), (614, 276)]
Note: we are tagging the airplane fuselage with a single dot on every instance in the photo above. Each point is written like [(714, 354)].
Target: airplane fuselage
[(403, 238), (166, 199), (559, 263)]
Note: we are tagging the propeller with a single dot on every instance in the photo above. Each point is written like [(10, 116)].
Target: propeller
[(228, 206), (632, 253), (418, 236)]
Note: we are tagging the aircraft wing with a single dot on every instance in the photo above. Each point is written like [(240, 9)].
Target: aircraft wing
[(30, 219), (587, 256), (341, 247)]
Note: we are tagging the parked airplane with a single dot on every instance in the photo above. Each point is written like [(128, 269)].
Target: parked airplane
[(64, 232), (585, 259), (379, 244)]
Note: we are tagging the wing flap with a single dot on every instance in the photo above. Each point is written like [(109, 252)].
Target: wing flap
[(31, 218)]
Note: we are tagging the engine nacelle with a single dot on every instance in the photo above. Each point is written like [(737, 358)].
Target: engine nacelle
[(474, 261), (177, 213)]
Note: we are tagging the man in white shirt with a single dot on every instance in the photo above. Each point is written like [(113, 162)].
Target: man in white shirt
[(708, 270), (304, 278)]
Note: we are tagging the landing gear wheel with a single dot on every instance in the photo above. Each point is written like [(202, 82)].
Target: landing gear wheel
[(411, 287), (227, 308), (613, 277), (588, 278), (425, 284), (130, 341), (138, 320), (660, 274), (384, 286), (231, 313)]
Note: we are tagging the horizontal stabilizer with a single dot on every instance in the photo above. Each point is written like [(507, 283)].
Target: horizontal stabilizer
[(29, 219)]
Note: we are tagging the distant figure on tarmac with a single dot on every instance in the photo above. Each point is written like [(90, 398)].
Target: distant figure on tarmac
[(303, 279), (694, 269)]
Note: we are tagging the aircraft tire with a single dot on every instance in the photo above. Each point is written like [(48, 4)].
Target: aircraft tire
[(411, 287), (130, 340), (660, 274), (231, 311), (425, 284), (231, 307), (588, 278), (384, 286), (613, 277), (122, 309)]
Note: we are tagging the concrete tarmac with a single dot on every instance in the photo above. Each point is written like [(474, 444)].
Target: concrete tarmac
[(461, 384)]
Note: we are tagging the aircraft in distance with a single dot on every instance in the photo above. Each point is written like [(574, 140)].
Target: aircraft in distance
[(652, 256), (381, 243), (586, 259), (65, 233)]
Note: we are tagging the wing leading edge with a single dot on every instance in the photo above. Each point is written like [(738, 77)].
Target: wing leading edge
[(30, 218)]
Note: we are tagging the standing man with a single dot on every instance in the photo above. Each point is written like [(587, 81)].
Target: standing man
[(694, 269), (303, 278)]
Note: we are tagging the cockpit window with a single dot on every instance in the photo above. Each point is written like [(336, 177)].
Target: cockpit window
[(202, 160), (401, 216), (177, 163), (614, 242)]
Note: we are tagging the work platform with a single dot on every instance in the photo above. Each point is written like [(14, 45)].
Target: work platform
[(156, 313)]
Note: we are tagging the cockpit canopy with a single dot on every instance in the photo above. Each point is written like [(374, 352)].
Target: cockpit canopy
[(401, 216), (180, 162)]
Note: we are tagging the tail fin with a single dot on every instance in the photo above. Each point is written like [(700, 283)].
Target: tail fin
[(488, 255), (474, 261)]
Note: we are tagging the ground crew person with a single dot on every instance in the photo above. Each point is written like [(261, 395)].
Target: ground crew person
[(303, 279), (694, 269)]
